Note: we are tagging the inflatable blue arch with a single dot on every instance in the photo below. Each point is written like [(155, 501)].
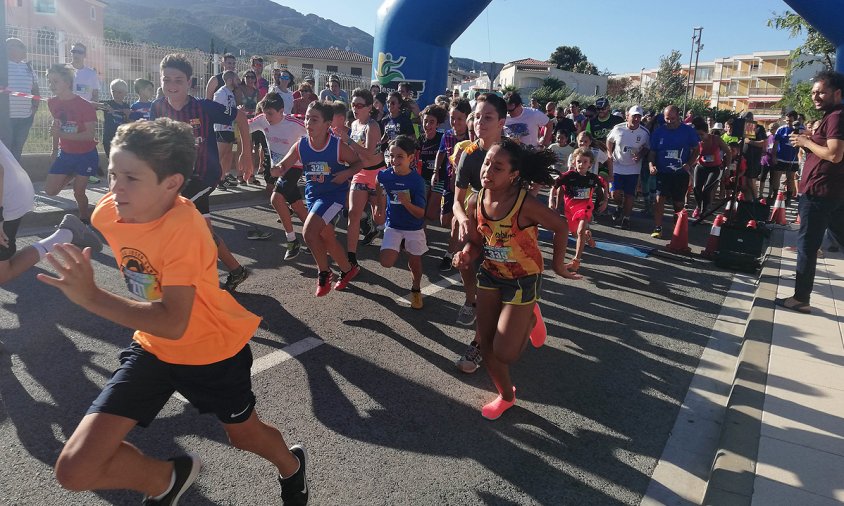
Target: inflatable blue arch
[(412, 45)]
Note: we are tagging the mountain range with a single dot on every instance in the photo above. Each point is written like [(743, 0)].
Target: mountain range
[(253, 26)]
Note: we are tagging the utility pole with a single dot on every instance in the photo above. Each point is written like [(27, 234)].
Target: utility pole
[(4, 78), (696, 34)]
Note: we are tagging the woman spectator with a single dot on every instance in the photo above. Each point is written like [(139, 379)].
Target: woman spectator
[(306, 96)]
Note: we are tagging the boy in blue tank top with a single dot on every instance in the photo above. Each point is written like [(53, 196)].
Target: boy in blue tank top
[(324, 159)]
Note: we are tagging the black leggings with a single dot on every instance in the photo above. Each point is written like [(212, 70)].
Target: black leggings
[(704, 177)]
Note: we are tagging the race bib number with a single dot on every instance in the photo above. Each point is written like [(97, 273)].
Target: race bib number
[(708, 158), (70, 127), (582, 194), (317, 171), (497, 253), (394, 196), (672, 154)]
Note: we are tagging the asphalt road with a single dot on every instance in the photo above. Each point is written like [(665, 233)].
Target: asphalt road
[(385, 415)]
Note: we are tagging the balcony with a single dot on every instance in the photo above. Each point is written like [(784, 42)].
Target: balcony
[(775, 113), (767, 91)]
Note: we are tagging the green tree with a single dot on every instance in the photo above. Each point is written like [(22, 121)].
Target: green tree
[(567, 57), (669, 85), (799, 98), (816, 48), (510, 88), (572, 59), (115, 34), (552, 90)]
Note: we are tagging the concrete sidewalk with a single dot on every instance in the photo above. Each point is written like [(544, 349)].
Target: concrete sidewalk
[(48, 211), (801, 444), (782, 441)]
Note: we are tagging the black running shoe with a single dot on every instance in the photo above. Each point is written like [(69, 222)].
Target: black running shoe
[(187, 469), (294, 490), (445, 263), (235, 278)]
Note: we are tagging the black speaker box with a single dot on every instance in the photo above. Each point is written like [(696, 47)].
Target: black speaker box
[(741, 248), (752, 211)]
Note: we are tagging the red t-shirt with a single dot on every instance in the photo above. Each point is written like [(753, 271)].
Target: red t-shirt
[(73, 114), (822, 178)]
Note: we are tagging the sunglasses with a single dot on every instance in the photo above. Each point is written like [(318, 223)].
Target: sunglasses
[(77, 51), (358, 105)]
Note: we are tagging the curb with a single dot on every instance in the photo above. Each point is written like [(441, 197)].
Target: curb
[(733, 471)]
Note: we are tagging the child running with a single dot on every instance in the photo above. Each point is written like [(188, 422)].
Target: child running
[(401, 192), (74, 155), (176, 72), (191, 337), (281, 133), (503, 227), (363, 138), (16, 199), (323, 156), (580, 187)]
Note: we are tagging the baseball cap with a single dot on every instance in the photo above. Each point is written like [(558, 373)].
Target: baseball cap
[(718, 126), (602, 102), (636, 109)]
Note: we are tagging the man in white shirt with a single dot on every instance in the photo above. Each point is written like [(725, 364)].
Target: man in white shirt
[(627, 144), (21, 110), (525, 123), (86, 84)]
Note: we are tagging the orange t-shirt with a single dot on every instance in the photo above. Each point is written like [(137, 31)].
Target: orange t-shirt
[(177, 250)]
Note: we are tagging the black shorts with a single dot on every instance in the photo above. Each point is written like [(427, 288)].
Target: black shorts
[(198, 193), (258, 138), (673, 184), (226, 136), (448, 203), (288, 186), (753, 169), (142, 384), (10, 228), (517, 291), (786, 166)]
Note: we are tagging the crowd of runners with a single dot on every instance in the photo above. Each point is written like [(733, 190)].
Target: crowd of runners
[(490, 170)]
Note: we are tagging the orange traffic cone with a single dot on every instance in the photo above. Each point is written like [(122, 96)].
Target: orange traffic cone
[(778, 211), (714, 238), (680, 240)]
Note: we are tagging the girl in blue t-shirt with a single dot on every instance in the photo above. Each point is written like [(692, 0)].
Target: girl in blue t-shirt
[(401, 203)]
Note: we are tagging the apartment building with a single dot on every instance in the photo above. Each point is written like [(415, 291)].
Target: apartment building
[(749, 82)]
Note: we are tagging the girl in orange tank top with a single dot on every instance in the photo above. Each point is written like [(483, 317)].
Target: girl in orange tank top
[(503, 228)]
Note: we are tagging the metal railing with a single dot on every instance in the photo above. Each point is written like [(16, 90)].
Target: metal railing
[(116, 59)]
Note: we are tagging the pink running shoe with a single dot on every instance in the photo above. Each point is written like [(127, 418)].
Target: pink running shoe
[(496, 408), (696, 213), (346, 277), (323, 287), (539, 332)]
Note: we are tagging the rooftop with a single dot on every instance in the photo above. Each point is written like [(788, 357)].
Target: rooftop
[(319, 53)]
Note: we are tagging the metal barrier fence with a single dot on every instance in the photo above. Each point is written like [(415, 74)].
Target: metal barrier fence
[(116, 59)]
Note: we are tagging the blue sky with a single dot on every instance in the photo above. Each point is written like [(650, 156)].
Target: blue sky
[(613, 34)]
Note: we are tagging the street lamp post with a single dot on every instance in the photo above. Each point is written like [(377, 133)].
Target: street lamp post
[(696, 34)]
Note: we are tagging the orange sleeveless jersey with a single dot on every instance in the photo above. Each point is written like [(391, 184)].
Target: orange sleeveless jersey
[(509, 251)]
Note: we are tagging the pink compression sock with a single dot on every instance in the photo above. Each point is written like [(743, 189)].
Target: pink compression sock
[(539, 332)]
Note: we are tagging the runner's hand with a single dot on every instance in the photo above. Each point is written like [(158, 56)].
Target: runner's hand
[(460, 260), (75, 274), (567, 272)]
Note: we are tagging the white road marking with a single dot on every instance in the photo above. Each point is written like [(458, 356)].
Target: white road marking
[(434, 288), (269, 360)]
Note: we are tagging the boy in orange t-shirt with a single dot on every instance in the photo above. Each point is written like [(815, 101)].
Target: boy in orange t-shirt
[(192, 336)]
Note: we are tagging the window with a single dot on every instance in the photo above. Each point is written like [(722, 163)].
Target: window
[(136, 64), (20, 3), (93, 12), (45, 6), (331, 68), (357, 71), (309, 66)]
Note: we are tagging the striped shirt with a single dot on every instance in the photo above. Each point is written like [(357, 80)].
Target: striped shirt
[(22, 79), (201, 115), (449, 139)]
